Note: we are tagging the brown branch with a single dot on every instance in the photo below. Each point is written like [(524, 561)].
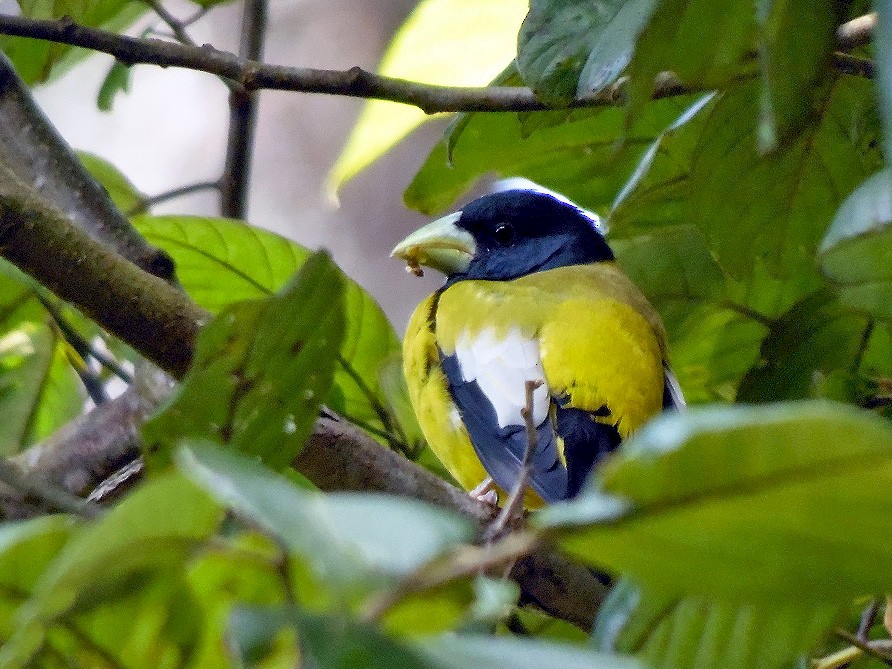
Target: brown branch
[(155, 318), (32, 149), (355, 82), (236, 179), (252, 75), (150, 201)]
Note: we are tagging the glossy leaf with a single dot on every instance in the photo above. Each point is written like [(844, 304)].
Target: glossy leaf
[(811, 341), (446, 42), (260, 372), (855, 254), (579, 157), (704, 43), (566, 50), (794, 63), (221, 261), (153, 529), (669, 633), (789, 491), (777, 207), (351, 540)]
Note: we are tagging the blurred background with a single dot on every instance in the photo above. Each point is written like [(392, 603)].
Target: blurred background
[(170, 130)]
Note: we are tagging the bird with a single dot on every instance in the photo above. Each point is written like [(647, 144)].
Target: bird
[(533, 296)]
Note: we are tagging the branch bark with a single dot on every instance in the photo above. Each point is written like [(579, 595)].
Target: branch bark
[(31, 148), (355, 82)]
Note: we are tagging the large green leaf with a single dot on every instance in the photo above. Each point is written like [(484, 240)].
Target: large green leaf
[(789, 492), (328, 641), (777, 207), (706, 44), (670, 633), (794, 63), (26, 548), (812, 340), (351, 540), (39, 60), (154, 529), (578, 157), (855, 254), (260, 371), (566, 49), (446, 42), (221, 261)]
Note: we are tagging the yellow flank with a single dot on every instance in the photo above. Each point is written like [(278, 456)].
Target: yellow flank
[(600, 341)]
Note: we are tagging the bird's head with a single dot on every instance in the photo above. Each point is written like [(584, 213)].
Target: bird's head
[(504, 236)]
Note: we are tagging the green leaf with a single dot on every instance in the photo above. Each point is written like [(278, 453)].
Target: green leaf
[(329, 641), (260, 371), (121, 190), (704, 43), (39, 391), (221, 261), (351, 540), (26, 547), (654, 195), (446, 42), (116, 81), (670, 633), (812, 340), (776, 207), (38, 61), (854, 255), (794, 64), (566, 50), (788, 492), (152, 530), (579, 157), (487, 652)]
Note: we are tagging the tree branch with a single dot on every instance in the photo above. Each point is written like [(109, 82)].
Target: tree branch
[(354, 82), (236, 178), (34, 152), (252, 75)]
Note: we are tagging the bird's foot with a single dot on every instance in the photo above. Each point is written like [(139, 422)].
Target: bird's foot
[(486, 493)]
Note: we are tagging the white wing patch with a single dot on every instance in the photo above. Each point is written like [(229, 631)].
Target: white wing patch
[(501, 368)]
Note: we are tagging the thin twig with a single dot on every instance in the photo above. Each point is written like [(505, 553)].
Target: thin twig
[(147, 202), (81, 345), (462, 562), (867, 647), (514, 506), (53, 497), (236, 179), (176, 26), (868, 616)]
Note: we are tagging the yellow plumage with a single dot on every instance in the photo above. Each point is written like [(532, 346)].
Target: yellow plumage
[(599, 340)]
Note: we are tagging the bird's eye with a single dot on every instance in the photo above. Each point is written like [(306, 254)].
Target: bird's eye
[(504, 233)]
